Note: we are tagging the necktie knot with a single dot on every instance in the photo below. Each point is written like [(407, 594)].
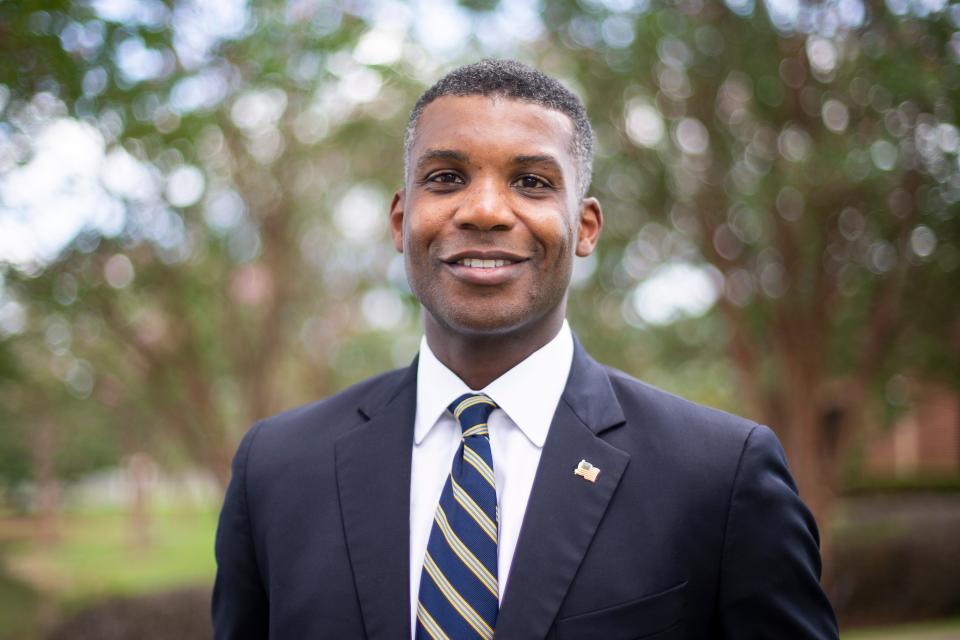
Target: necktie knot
[(472, 412)]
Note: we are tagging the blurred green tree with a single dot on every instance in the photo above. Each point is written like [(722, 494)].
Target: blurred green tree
[(231, 286), (780, 184), (806, 158)]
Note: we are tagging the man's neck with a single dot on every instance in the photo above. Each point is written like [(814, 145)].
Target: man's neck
[(479, 359)]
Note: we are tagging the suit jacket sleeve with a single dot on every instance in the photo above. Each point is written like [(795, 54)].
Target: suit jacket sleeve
[(770, 572), (240, 606)]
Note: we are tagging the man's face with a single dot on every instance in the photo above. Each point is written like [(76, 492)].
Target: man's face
[(490, 220)]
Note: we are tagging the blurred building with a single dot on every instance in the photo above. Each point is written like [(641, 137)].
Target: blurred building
[(923, 442)]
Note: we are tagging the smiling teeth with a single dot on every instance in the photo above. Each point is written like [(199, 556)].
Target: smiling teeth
[(478, 263)]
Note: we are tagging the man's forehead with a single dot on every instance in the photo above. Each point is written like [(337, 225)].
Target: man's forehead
[(488, 118)]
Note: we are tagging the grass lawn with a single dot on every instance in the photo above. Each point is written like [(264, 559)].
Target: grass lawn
[(19, 609), (940, 630), (96, 558)]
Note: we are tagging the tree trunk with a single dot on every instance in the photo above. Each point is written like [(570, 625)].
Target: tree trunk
[(812, 463), (44, 445), (140, 470)]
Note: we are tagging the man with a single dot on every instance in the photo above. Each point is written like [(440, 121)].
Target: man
[(506, 483)]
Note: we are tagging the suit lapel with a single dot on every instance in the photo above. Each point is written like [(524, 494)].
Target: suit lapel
[(564, 510), (373, 479)]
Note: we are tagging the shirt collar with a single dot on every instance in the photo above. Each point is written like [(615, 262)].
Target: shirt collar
[(528, 393)]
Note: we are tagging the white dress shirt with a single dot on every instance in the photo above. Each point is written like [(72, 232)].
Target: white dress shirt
[(527, 397)]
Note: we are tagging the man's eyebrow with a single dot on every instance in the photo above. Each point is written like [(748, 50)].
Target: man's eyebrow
[(537, 159), (441, 154)]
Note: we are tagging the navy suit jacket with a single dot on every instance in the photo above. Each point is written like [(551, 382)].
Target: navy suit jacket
[(693, 529)]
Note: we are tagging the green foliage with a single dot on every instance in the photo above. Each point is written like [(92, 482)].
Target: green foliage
[(9, 369), (808, 169), (14, 456), (18, 608)]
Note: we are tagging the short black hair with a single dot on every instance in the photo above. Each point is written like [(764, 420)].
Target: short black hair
[(517, 81)]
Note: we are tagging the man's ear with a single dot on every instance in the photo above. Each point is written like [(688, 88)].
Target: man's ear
[(591, 222), (396, 219)]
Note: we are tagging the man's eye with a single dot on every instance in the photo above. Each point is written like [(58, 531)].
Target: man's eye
[(531, 182), (445, 177)]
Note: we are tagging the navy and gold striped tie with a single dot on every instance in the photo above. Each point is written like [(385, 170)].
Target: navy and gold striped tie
[(458, 587)]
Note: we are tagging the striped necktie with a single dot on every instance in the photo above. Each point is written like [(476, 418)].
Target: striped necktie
[(458, 587)]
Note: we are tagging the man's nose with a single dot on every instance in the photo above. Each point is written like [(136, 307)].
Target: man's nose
[(486, 207)]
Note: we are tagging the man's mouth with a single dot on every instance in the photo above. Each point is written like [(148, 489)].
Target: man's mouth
[(480, 263), (486, 267)]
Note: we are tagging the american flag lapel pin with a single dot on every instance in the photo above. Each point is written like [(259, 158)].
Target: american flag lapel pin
[(587, 471)]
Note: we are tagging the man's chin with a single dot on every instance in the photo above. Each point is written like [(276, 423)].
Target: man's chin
[(483, 324)]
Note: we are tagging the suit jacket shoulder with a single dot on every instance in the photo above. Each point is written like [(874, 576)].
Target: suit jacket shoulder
[(712, 493), (693, 528), (678, 430), (286, 567)]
